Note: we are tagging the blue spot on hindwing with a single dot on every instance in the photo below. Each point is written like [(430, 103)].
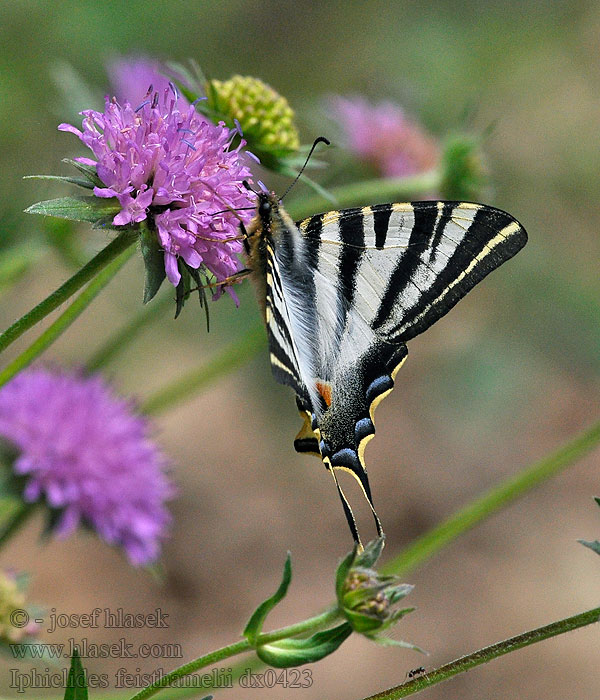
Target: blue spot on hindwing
[(347, 458), (363, 428), (379, 386)]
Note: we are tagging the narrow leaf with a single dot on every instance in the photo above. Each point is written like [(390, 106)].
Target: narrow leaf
[(81, 182), (88, 171), (183, 288), (594, 546), (296, 652), (154, 264), (76, 681), (79, 208), (201, 294), (388, 642), (255, 623)]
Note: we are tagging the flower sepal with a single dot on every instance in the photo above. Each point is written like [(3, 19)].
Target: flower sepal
[(154, 263), (189, 282), (366, 598)]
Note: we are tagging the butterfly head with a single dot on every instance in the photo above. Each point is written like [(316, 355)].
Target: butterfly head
[(264, 208)]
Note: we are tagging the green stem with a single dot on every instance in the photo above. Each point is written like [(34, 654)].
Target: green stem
[(236, 355), (310, 625), (67, 317), (487, 654), (119, 340), (18, 517), (370, 192), (66, 290), (495, 499)]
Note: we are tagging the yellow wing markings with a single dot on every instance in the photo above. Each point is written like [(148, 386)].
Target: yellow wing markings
[(500, 237)]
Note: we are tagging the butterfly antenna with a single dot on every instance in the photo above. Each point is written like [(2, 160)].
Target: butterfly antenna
[(320, 139)]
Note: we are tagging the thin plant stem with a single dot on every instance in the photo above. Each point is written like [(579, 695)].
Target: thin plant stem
[(496, 498), (310, 625), (369, 192), (482, 656), (67, 317), (234, 356), (119, 340), (66, 290)]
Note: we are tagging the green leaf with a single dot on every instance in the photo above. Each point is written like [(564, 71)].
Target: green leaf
[(255, 623), (81, 182), (79, 208), (594, 546), (342, 572), (296, 652), (182, 290), (88, 171), (154, 264), (76, 682), (389, 642), (195, 275)]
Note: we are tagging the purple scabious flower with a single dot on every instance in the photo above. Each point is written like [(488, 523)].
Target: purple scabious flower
[(87, 454), (385, 137), (167, 164)]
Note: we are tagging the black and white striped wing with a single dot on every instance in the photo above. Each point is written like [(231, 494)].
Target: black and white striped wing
[(356, 285), (285, 345)]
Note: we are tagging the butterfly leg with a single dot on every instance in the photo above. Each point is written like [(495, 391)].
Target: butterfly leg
[(236, 277)]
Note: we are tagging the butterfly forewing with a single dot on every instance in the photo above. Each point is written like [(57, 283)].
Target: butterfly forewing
[(346, 289)]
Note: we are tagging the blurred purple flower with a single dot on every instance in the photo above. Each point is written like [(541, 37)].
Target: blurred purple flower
[(86, 453), (130, 77), (385, 137), (164, 162)]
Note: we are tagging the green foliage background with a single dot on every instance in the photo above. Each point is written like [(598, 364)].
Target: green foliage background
[(509, 375)]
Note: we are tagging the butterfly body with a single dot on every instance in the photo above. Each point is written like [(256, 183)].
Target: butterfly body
[(343, 291)]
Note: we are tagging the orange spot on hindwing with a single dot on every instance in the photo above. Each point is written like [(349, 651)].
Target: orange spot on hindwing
[(324, 389)]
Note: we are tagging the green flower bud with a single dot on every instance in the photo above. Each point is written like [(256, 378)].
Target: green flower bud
[(265, 117), (367, 598), (464, 174)]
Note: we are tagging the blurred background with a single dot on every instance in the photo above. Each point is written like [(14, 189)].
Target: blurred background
[(511, 374)]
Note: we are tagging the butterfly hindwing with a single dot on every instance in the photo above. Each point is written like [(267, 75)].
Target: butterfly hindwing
[(346, 289)]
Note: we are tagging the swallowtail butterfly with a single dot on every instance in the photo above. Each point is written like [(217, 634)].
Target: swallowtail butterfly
[(342, 292)]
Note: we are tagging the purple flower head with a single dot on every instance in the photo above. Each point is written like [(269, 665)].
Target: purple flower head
[(385, 137), (131, 76), (166, 164), (87, 454)]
